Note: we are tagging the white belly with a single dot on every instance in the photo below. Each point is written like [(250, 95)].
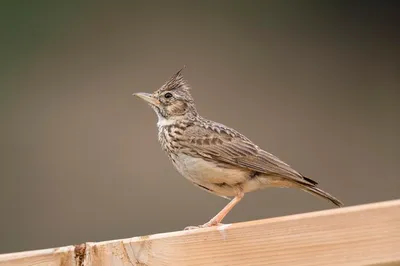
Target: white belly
[(207, 173), (223, 181)]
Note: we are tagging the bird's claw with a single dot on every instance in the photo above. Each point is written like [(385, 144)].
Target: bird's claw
[(192, 227), (208, 224)]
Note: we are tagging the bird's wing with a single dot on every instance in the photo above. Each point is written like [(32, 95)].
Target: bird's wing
[(228, 146)]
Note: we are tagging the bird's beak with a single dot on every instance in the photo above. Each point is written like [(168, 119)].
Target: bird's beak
[(148, 98)]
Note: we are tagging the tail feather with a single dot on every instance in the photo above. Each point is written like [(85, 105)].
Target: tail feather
[(310, 180), (320, 193)]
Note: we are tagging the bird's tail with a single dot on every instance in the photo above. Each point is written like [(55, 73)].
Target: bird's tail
[(320, 193)]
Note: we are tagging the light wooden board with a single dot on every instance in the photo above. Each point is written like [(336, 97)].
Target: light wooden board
[(358, 235)]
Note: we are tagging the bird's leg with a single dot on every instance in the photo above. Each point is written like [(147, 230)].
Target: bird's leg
[(221, 215), (216, 220)]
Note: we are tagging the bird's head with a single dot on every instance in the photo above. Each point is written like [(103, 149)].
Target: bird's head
[(172, 101)]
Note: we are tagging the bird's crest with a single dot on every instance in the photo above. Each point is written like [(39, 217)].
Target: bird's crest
[(175, 82)]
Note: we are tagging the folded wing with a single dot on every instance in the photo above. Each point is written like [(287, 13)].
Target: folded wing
[(230, 147)]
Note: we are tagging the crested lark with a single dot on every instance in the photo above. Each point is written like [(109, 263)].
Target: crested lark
[(215, 157)]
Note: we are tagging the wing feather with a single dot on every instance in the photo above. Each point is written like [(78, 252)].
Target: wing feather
[(230, 147)]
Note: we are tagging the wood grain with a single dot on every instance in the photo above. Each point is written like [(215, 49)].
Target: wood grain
[(358, 235)]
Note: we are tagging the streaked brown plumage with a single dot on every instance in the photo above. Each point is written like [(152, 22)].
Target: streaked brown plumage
[(215, 157)]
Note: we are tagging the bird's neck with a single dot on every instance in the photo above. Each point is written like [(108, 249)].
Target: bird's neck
[(174, 120), (162, 121)]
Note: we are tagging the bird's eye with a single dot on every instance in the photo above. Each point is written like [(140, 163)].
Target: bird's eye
[(168, 95)]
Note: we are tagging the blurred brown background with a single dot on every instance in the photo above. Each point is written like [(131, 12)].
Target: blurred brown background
[(314, 82)]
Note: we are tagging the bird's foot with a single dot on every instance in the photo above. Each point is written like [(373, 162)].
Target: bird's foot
[(208, 224), (192, 227)]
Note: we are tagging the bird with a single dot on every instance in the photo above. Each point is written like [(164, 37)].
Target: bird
[(215, 157)]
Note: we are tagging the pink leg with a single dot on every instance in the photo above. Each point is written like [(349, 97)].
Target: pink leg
[(221, 215)]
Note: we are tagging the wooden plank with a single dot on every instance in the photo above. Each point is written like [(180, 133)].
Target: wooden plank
[(358, 235)]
